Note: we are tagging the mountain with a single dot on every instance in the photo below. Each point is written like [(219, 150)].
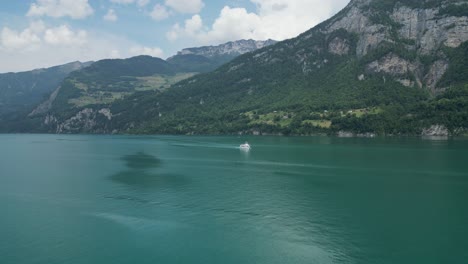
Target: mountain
[(108, 81), (208, 58), (20, 92), (378, 66)]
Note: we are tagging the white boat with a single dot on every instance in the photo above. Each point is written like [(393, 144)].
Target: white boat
[(245, 146)]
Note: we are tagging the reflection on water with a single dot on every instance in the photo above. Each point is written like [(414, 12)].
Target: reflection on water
[(245, 153), (141, 161), (142, 172)]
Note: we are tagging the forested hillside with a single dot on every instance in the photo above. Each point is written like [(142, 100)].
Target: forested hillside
[(377, 67), (21, 92)]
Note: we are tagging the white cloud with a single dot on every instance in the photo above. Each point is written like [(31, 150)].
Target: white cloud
[(63, 35), (13, 40), (139, 3), (26, 40), (76, 9), (191, 28), (110, 16), (141, 50), (193, 25), (186, 7), (142, 3), (123, 2), (37, 26), (39, 46), (275, 19), (159, 12), (37, 35)]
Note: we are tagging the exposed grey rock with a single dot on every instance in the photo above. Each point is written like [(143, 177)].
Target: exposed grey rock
[(391, 64), (236, 67), (435, 130), (424, 27), (430, 31), (339, 46), (106, 112), (46, 105), (345, 134), (436, 72), (50, 120), (83, 120), (231, 48), (406, 82), (354, 21)]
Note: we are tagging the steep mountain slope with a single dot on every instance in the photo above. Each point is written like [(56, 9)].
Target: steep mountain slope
[(21, 92), (378, 66)]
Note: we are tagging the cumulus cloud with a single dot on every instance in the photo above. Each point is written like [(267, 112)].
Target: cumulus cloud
[(141, 50), (275, 19), (39, 45), (191, 28), (185, 7), (110, 15), (159, 12), (12, 40), (124, 2), (27, 39), (140, 3), (63, 35), (38, 34), (76, 9)]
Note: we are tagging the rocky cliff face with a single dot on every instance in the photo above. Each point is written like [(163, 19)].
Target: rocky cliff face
[(231, 48), (86, 120), (421, 29)]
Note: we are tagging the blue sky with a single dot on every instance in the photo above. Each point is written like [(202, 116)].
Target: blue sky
[(43, 33)]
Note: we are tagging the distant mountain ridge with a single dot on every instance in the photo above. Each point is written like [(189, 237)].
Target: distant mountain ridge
[(235, 48), (208, 58)]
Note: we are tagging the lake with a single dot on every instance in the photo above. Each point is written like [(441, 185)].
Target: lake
[(168, 199)]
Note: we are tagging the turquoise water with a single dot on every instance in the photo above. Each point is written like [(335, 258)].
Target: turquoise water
[(116, 199)]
